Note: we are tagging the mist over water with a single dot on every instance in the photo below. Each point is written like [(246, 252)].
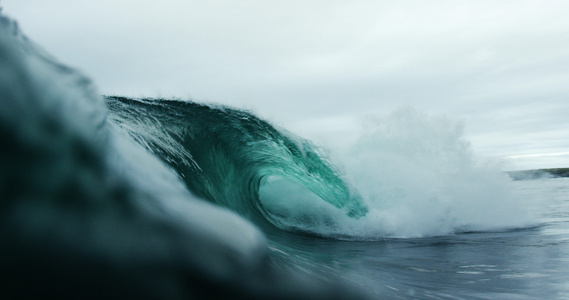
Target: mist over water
[(418, 177)]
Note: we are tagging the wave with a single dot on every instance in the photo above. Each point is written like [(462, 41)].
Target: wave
[(408, 174), (228, 156)]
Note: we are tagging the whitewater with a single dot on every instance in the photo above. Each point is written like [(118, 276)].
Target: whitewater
[(111, 196)]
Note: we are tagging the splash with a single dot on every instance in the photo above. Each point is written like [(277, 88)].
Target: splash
[(417, 175)]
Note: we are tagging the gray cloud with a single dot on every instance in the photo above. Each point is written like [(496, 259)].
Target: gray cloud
[(502, 66)]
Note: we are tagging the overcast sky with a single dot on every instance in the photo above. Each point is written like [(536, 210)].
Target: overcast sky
[(500, 66)]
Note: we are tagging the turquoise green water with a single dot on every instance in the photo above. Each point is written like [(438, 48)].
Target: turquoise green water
[(224, 155)]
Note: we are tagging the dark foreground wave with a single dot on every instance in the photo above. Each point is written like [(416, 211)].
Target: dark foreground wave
[(87, 212)]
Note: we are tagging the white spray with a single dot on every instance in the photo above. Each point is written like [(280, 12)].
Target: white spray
[(418, 177)]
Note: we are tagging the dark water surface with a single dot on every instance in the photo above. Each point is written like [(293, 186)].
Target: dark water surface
[(529, 263)]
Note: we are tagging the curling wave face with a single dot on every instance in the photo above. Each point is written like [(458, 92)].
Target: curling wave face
[(228, 156)]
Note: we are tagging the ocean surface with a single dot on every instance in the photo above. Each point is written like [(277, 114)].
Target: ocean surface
[(115, 197), (522, 263)]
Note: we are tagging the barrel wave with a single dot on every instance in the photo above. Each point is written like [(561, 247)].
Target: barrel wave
[(227, 156)]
